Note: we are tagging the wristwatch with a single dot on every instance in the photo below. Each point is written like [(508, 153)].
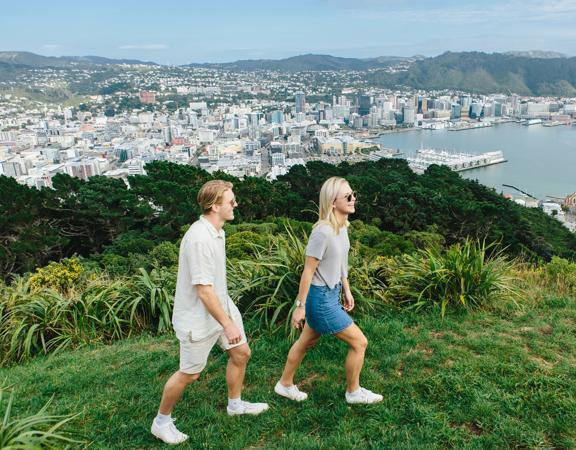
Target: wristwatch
[(299, 304)]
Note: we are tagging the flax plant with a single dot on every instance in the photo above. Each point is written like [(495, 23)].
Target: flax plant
[(469, 275)]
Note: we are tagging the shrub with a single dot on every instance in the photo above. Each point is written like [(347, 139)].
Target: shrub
[(164, 254), (60, 276), (471, 274), (561, 275), (42, 320)]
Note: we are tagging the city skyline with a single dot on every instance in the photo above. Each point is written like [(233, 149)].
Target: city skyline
[(184, 33)]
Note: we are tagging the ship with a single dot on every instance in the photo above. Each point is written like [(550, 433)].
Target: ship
[(454, 160), (532, 122), (469, 126)]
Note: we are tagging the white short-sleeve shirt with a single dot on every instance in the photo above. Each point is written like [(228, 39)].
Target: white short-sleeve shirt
[(202, 260)]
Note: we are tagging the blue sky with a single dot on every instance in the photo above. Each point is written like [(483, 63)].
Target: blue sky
[(178, 32)]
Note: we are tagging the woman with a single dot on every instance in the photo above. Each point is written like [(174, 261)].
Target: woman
[(324, 276)]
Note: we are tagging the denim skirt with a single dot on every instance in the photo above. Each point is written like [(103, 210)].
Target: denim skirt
[(324, 312)]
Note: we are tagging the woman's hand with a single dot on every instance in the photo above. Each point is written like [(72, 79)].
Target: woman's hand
[(348, 301), (298, 317)]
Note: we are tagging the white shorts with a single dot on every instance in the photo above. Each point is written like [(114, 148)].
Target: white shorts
[(194, 354)]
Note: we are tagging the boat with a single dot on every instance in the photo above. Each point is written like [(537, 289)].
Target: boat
[(456, 161), (469, 126), (532, 122)]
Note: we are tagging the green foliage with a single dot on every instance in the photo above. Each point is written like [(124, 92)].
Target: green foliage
[(60, 276), (487, 73), (42, 320), (87, 217), (244, 244), (40, 430), (469, 275), (266, 285), (561, 274), (164, 254)]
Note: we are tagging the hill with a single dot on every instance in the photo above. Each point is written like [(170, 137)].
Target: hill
[(33, 60), (308, 62), (487, 73), (484, 380)]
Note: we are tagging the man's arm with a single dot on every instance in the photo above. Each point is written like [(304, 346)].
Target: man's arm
[(214, 307)]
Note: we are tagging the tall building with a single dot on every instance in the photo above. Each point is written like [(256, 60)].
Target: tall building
[(277, 117), (456, 111), (409, 115), (364, 105), (300, 100)]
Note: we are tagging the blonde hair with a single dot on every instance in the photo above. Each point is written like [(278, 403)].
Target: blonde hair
[(211, 194), (328, 194)]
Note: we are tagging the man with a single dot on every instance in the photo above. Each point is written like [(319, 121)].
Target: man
[(204, 312)]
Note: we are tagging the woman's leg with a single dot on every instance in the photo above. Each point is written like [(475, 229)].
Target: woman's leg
[(307, 339), (354, 337)]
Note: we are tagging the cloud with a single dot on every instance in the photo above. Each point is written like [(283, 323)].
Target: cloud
[(143, 47), (51, 47)]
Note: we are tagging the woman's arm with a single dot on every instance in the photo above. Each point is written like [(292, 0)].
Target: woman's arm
[(310, 265), (348, 297)]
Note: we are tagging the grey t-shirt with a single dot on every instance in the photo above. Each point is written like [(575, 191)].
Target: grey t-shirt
[(332, 251)]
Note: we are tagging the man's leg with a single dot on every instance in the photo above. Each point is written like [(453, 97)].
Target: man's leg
[(173, 390), (237, 361), (193, 357)]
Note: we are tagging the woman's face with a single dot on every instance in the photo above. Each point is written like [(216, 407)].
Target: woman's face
[(345, 202)]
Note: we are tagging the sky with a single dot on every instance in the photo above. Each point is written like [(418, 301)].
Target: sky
[(180, 32)]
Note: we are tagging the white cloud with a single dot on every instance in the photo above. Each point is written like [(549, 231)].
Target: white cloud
[(143, 47)]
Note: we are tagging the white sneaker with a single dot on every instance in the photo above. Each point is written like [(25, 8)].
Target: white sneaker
[(292, 392), (248, 408), (168, 432), (363, 396)]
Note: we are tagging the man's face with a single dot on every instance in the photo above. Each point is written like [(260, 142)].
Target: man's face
[(225, 210)]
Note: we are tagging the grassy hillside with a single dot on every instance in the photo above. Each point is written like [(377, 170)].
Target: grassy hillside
[(484, 380)]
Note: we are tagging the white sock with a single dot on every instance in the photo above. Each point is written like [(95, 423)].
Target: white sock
[(356, 392), (162, 419), (234, 403)]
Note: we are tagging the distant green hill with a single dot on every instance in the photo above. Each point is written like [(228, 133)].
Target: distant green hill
[(487, 73), (308, 62), (34, 60)]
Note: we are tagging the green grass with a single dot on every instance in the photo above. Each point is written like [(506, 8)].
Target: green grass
[(501, 379)]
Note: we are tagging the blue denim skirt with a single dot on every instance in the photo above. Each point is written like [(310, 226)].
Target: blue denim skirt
[(324, 312)]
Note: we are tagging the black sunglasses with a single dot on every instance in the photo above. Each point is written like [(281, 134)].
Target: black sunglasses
[(350, 195)]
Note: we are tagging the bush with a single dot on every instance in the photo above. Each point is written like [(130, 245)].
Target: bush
[(561, 274), (471, 274), (164, 255), (60, 276), (42, 320)]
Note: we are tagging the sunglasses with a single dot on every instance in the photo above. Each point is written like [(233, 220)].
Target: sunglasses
[(351, 195)]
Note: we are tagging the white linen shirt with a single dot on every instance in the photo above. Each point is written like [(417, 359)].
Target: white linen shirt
[(202, 260)]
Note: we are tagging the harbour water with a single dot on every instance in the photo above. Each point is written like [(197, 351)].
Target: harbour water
[(541, 160)]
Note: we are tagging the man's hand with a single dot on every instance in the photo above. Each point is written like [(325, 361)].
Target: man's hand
[(348, 301), (232, 333), (298, 317)]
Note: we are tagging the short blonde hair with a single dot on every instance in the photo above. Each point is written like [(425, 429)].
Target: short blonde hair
[(211, 194), (328, 194)]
